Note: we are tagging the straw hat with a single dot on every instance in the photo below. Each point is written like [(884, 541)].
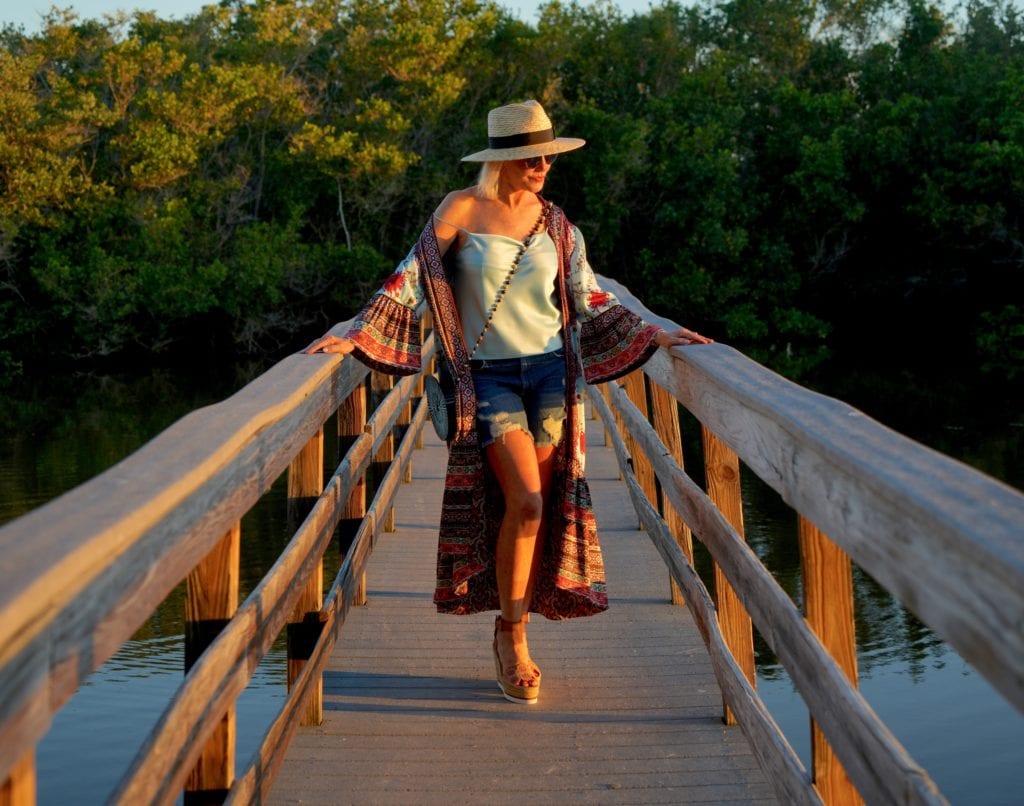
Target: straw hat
[(518, 131)]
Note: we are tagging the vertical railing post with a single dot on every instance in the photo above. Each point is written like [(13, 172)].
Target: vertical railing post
[(426, 368), (606, 393), (20, 787), (635, 386), (211, 599), (404, 418), (666, 423), (351, 424), (305, 483), (828, 605), (722, 467), (380, 385)]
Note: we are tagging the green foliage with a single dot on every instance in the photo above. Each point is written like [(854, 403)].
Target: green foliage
[(775, 172), (1001, 342)]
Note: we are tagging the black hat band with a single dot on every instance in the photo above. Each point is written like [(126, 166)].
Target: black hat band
[(524, 139)]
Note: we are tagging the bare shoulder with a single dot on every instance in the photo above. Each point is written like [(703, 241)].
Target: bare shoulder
[(454, 216), (458, 207)]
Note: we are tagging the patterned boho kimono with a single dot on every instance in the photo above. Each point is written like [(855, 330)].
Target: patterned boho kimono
[(601, 337)]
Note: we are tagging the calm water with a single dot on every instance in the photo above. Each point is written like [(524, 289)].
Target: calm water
[(61, 433)]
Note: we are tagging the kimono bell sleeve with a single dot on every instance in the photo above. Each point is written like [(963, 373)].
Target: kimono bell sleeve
[(386, 332), (613, 340)]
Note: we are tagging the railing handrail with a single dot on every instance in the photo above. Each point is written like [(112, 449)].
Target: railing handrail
[(945, 539)]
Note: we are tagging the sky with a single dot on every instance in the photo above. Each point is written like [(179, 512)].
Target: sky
[(28, 13)]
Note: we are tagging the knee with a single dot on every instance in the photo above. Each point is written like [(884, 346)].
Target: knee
[(525, 507)]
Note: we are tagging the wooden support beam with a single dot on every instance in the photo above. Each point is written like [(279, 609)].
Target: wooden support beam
[(425, 368), (722, 467), (211, 599), (380, 385), (305, 483), (828, 605), (666, 424), (351, 424), (635, 385), (20, 787), (404, 418), (606, 393)]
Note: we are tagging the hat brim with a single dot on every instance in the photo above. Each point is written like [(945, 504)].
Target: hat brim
[(557, 146)]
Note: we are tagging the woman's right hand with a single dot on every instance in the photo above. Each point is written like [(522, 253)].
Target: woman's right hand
[(330, 344)]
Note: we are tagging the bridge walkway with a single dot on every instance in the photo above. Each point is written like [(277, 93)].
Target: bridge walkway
[(629, 711)]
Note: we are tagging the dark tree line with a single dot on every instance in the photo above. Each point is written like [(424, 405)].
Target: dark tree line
[(796, 176)]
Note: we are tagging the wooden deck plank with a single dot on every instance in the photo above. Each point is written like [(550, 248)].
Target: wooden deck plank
[(629, 710)]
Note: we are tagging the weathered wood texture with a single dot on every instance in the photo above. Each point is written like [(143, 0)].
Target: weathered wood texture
[(81, 574), (629, 711), (943, 538), (882, 770), (636, 388), (78, 576), (380, 385)]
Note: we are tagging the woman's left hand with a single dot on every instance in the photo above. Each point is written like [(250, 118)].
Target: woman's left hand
[(680, 338)]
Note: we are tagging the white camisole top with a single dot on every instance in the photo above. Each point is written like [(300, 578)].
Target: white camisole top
[(528, 320)]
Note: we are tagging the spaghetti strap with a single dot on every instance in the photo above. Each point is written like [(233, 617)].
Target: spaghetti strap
[(450, 224)]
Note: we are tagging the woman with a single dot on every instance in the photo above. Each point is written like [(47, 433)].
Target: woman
[(517, 527)]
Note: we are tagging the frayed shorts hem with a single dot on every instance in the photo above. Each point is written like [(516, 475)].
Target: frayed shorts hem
[(521, 394)]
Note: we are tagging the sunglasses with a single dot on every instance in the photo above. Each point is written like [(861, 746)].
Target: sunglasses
[(534, 162)]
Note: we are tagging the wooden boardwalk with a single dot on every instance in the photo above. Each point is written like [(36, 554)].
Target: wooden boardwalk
[(629, 710)]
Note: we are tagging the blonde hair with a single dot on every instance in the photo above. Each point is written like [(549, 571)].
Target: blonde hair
[(487, 182)]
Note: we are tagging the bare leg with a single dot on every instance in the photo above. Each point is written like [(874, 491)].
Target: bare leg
[(546, 470), (524, 475)]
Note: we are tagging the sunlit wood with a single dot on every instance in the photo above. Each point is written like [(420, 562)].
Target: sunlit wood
[(20, 787), (636, 388), (828, 606), (211, 600), (305, 483), (666, 424), (352, 423), (722, 470)]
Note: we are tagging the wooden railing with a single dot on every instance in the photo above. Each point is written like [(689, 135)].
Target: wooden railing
[(946, 540), (80, 575)]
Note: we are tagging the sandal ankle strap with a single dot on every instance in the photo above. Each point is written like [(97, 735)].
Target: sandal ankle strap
[(506, 626)]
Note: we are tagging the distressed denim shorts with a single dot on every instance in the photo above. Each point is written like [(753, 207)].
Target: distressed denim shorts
[(526, 394)]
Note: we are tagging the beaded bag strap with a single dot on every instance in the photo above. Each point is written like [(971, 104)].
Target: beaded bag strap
[(544, 210)]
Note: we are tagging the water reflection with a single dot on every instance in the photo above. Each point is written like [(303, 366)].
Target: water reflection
[(60, 434)]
